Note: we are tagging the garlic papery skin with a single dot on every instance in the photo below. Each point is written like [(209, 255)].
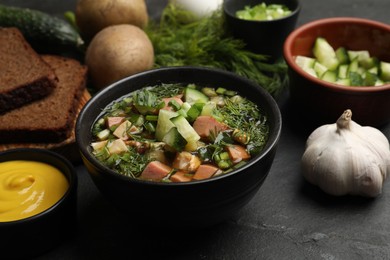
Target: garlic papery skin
[(347, 158)]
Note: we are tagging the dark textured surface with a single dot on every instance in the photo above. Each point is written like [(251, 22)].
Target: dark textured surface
[(287, 219)]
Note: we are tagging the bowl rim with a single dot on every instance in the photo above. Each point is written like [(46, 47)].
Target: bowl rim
[(332, 20), (294, 12), (266, 150), (72, 181)]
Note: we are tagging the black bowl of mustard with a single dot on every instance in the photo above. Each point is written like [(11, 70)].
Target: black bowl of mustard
[(25, 236)]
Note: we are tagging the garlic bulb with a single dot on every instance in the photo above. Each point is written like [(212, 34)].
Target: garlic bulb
[(347, 158)]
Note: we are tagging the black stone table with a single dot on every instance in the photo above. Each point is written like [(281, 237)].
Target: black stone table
[(287, 219)]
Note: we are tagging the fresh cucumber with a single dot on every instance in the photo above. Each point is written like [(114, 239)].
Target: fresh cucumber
[(185, 129), (208, 109), (329, 76), (355, 78), (325, 54), (369, 78), (370, 62), (364, 59), (43, 31), (193, 96), (343, 71), (319, 69), (175, 140), (342, 55), (385, 71), (164, 123), (374, 70), (305, 62), (360, 55), (355, 67), (343, 81)]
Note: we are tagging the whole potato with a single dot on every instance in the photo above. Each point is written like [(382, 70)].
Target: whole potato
[(116, 52), (94, 15)]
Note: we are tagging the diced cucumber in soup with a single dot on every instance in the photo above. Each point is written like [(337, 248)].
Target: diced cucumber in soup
[(174, 139), (164, 123), (185, 129), (193, 96)]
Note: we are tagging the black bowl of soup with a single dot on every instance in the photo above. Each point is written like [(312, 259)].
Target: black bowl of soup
[(179, 147)]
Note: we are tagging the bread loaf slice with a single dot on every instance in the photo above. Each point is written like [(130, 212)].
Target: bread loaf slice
[(24, 76), (48, 120), (67, 147)]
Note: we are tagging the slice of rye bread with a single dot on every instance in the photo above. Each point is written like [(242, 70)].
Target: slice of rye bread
[(48, 120), (67, 148), (24, 76)]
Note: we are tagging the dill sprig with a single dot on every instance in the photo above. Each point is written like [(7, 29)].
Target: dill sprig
[(179, 39)]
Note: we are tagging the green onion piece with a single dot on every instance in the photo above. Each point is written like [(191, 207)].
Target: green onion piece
[(210, 92), (186, 106), (238, 165), (224, 164), (224, 156), (174, 104), (194, 111), (221, 91), (151, 117), (230, 93), (182, 113)]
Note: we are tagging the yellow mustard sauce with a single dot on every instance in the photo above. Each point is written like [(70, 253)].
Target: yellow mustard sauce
[(28, 188)]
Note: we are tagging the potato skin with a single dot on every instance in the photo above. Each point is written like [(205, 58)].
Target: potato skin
[(94, 15), (116, 52)]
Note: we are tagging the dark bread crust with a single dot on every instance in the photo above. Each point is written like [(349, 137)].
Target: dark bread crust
[(48, 120), (24, 76)]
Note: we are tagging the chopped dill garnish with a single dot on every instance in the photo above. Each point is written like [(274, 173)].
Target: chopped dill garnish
[(167, 90), (246, 116), (130, 163)]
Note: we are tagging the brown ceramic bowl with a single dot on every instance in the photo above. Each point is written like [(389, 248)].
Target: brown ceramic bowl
[(322, 102)]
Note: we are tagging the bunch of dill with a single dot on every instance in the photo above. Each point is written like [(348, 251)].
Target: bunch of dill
[(179, 39)]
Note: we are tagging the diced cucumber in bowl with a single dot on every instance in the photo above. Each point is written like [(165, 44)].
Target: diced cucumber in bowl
[(325, 54), (384, 70), (305, 62), (343, 66)]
